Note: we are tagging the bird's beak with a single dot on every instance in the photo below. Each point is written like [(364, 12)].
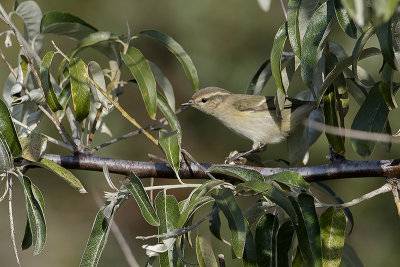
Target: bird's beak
[(188, 103)]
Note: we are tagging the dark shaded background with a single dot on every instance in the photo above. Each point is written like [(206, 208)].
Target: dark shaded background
[(227, 41)]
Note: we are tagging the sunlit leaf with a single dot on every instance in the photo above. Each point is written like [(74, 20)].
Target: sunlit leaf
[(179, 53), (140, 69), (47, 86), (171, 145), (169, 114), (136, 189), (290, 178), (80, 90), (33, 146), (276, 55), (96, 73), (205, 253), (333, 226)]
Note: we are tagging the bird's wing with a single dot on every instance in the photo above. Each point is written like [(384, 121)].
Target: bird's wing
[(262, 103)]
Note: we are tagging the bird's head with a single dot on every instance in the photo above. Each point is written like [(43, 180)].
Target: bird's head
[(208, 99)]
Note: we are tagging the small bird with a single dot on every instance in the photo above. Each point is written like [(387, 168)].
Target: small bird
[(252, 116)]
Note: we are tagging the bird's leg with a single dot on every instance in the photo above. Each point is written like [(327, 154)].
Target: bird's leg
[(236, 157)]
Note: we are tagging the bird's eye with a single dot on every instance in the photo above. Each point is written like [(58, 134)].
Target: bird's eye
[(204, 100)]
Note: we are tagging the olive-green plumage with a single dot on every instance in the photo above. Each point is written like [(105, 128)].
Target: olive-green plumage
[(253, 117)]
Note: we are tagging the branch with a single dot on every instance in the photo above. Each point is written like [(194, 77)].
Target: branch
[(337, 170)]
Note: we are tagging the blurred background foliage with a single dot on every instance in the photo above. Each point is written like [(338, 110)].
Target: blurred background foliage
[(227, 41)]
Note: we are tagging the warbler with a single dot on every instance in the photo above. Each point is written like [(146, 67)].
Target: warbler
[(252, 116)]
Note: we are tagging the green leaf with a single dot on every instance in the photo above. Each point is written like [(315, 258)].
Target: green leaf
[(140, 69), (331, 118), (35, 211), (384, 33), (255, 211), (333, 226), (169, 114), (215, 223), (383, 9), (284, 244), (65, 174), (165, 85), (8, 134), (358, 48), (345, 22), (47, 86), (276, 56), (136, 189), (170, 143), (237, 172), (33, 146), (313, 36), (227, 204), (168, 213), (27, 239), (371, 117), (341, 66), (250, 251), (64, 23), (260, 79), (291, 179), (6, 161), (80, 90), (350, 257), (205, 253), (272, 194), (179, 53), (265, 237), (386, 86), (191, 208), (357, 9), (98, 39), (293, 26), (308, 230), (99, 234)]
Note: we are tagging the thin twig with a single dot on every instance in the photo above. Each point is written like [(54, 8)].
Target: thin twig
[(197, 164), (172, 186), (73, 125), (49, 138), (283, 9), (8, 64)]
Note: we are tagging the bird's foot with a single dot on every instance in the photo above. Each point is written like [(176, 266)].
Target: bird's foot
[(239, 158)]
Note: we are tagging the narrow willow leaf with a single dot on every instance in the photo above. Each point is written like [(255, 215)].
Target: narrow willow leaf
[(237, 172), (33, 146), (35, 211), (96, 72), (136, 189), (250, 250), (371, 117), (333, 226), (164, 83), (284, 244), (65, 174), (47, 86), (179, 53), (169, 114), (79, 88), (27, 239), (215, 223), (346, 211), (345, 22), (191, 208), (340, 67), (386, 86), (315, 32), (272, 194), (265, 237), (255, 211), (307, 10), (357, 10), (205, 253), (293, 26), (168, 213), (8, 134), (308, 230), (64, 23), (140, 69), (98, 236), (94, 40), (227, 204), (384, 33), (358, 48), (331, 118), (170, 143), (260, 79), (276, 57), (290, 178)]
